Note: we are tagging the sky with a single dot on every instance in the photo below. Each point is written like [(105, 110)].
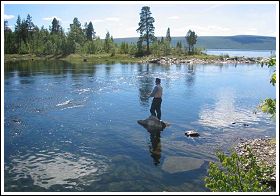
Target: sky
[(121, 18)]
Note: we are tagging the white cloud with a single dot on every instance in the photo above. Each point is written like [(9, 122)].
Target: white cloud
[(114, 19), (51, 18), (8, 17), (211, 7), (97, 20), (174, 17)]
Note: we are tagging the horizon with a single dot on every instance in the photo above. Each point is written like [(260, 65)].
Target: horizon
[(121, 19)]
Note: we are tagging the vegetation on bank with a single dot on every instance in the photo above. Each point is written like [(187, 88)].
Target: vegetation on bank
[(81, 44), (269, 104), (76, 58), (28, 38), (101, 58), (235, 173)]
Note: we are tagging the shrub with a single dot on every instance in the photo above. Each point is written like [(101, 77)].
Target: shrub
[(237, 174)]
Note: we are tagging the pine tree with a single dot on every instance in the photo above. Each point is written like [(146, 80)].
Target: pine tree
[(168, 37), (146, 27), (191, 39), (90, 34), (55, 26)]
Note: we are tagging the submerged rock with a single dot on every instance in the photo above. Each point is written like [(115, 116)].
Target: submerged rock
[(175, 164), (153, 123)]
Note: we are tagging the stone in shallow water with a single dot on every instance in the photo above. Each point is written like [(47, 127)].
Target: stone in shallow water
[(153, 123), (192, 133), (174, 164)]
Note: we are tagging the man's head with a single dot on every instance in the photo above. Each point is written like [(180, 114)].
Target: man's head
[(157, 81)]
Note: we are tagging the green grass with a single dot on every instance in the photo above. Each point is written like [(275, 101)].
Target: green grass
[(100, 58)]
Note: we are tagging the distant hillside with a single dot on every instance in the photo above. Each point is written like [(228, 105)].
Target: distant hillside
[(240, 42)]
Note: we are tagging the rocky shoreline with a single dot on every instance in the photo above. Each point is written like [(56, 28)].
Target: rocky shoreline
[(223, 60), (264, 149)]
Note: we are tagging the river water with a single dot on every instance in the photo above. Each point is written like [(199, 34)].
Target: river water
[(241, 53), (73, 127)]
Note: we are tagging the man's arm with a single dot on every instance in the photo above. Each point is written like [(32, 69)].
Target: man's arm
[(154, 92)]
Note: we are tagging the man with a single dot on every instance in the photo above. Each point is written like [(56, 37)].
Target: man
[(156, 104)]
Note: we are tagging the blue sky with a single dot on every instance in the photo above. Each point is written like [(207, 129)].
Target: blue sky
[(121, 18)]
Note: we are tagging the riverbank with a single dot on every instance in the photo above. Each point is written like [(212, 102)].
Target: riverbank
[(75, 58), (205, 60), (124, 58), (264, 149)]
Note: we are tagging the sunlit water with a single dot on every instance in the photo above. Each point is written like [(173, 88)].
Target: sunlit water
[(74, 127), (241, 53)]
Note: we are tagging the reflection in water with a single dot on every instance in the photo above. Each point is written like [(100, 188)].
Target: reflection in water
[(146, 83), (51, 168), (155, 145), (225, 113), (190, 77)]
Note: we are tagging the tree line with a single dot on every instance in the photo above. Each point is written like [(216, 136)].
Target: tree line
[(28, 38)]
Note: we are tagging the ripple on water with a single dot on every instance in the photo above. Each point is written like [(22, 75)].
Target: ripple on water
[(71, 104), (59, 168)]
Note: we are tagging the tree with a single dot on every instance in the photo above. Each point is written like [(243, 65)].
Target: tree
[(9, 40), (108, 43), (90, 31), (139, 51), (76, 35), (178, 49), (6, 26), (191, 39), (56, 28), (146, 27), (29, 24), (168, 37), (18, 32), (124, 48)]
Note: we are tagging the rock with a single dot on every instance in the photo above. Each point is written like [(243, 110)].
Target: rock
[(175, 164), (235, 60), (191, 133), (264, 149), (153, 123)]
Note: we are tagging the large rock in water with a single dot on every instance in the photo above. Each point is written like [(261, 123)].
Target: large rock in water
[(152, 123), (175, 164)]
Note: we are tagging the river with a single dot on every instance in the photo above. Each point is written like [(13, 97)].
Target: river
[(73, 127), (241, 53)]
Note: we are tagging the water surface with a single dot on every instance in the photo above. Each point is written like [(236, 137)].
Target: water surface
[(241, 53), (71, 127)]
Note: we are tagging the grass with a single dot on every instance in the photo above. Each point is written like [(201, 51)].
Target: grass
[(100, 58)]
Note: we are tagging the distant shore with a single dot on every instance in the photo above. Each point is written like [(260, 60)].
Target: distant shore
[(122, 58)]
